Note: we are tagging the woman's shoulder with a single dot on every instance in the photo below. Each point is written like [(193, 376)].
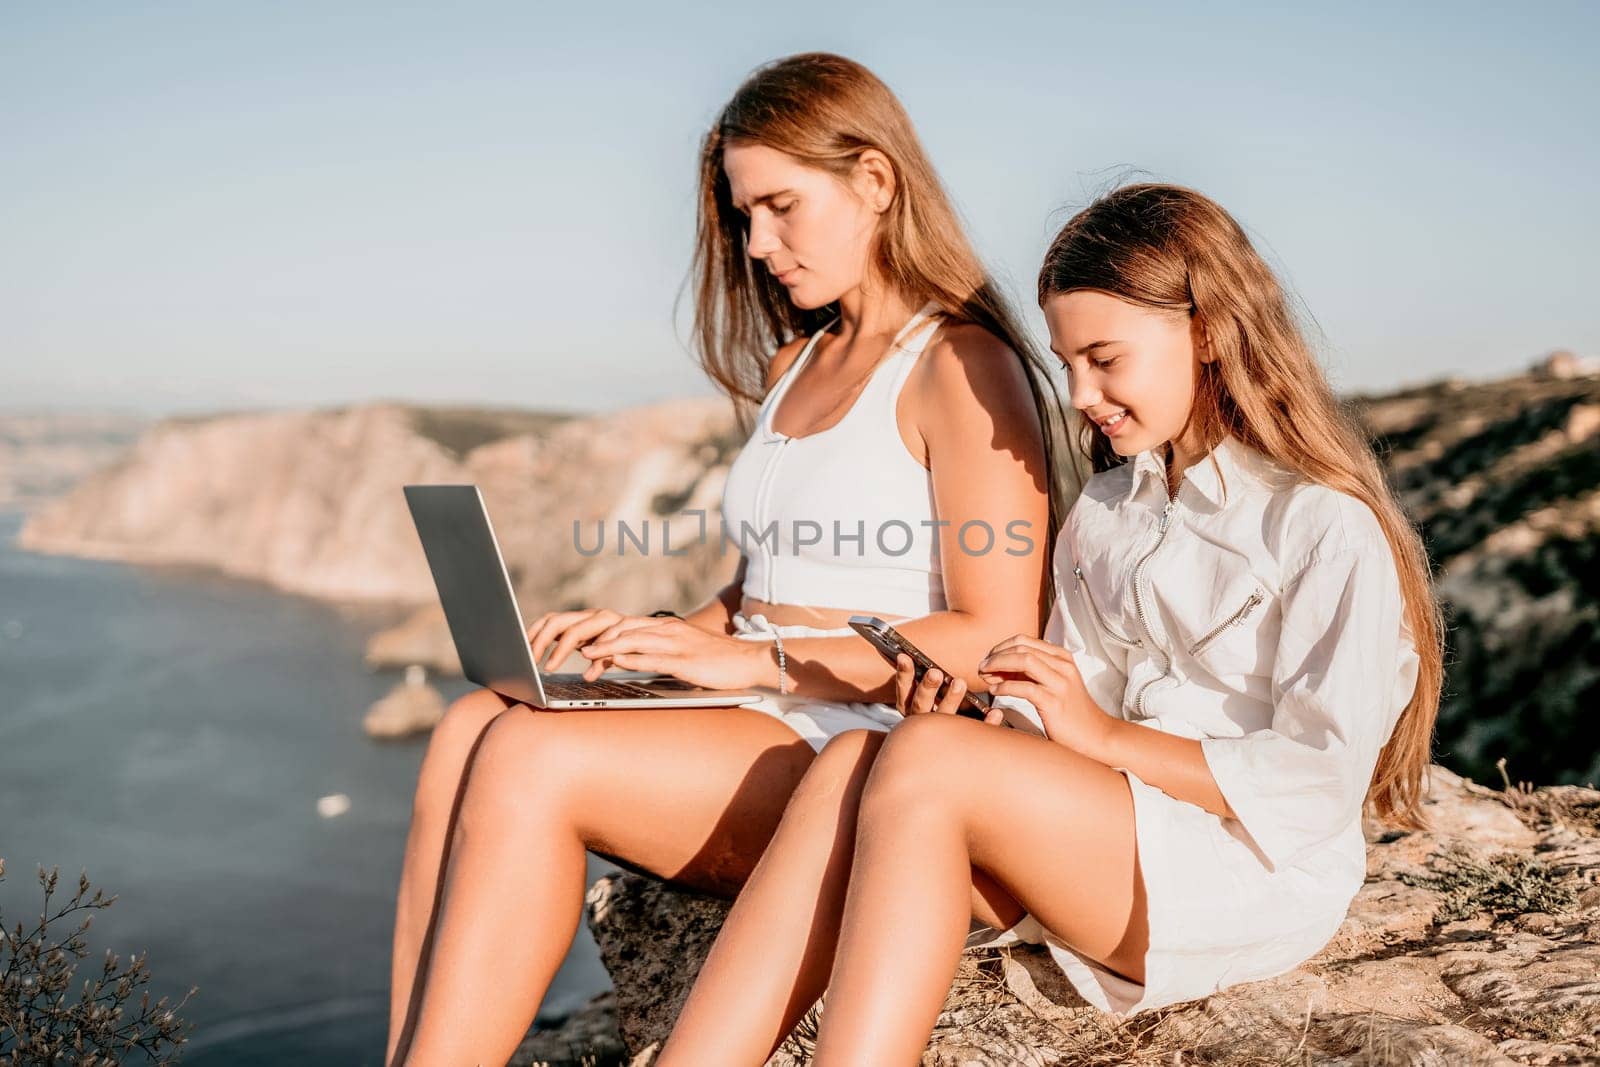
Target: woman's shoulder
[(965, 366), (963, 346)]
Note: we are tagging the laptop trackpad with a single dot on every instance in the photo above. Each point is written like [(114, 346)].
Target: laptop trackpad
[(667, 683), (656, 682)]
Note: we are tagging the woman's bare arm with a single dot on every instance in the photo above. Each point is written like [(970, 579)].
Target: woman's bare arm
[(973, 416)]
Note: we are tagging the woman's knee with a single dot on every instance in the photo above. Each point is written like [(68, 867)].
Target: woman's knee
[(839, 769), (848, 752), (465, 720), (451, 747), (528, 759)]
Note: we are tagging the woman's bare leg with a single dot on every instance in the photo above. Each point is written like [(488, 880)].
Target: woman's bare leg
[(689, 794), (946, 796), (440, 785), (773, 956)]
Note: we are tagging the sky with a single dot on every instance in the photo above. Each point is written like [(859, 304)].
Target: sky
[(213, 206)]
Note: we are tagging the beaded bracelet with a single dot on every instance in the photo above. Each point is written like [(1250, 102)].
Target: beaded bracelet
[(783, 661)]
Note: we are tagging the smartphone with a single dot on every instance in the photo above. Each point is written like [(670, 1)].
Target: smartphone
[(891, 642)]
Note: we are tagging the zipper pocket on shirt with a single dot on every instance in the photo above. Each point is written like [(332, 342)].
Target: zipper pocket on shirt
[(1094, 609), (1162, 526), (1235, 619)]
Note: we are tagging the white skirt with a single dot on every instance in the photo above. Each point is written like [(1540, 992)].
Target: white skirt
[(816, 721), (1218, 916)]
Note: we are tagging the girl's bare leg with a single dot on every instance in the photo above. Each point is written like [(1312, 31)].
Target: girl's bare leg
[(947, 796), (689, 794), (772, 959)]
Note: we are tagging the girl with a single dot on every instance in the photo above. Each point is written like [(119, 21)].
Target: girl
[(897, 411), (1245, 648)]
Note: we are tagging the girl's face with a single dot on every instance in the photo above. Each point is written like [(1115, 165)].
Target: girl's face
[(811, 230), (1132, 370)]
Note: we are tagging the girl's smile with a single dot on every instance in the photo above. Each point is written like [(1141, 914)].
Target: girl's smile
[(1113, 423)]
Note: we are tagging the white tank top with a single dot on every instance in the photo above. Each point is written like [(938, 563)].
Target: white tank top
[(844, 517)]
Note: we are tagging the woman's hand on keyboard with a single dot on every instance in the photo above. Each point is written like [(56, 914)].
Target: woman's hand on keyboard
[(683, 650), (563, 632)]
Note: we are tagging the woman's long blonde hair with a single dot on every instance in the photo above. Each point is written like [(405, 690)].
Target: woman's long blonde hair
[(825, 111), (1170, 248)]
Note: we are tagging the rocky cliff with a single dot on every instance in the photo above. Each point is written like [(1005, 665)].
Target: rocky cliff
[(1475, 942), (1503, 478), (560, 502), (44, 454), (311, 502)]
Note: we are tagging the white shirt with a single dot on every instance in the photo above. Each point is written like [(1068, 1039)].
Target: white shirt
[(1255, 612)]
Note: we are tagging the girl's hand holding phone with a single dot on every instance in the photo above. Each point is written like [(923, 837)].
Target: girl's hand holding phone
[(1045, 675), (930, 695)]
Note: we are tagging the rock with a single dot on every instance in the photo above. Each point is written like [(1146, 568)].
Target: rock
[(333, 805), (1565, 365), (411, 707), (586, 1038), (1400, 983), (665, 936), (1583, 422), (423, 639)]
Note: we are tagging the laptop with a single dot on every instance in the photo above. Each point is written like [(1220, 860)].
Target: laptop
[(481, 608)]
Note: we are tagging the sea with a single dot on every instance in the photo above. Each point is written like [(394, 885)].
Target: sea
[(169, 731)]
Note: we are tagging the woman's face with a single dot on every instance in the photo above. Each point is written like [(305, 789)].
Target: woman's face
[(811, 230), (1132, 370)]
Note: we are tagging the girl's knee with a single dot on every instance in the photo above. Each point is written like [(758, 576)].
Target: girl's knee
[(923, 739), (917, 760)]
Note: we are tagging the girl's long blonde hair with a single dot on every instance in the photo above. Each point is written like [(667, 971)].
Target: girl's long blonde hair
[(1170, 248), (825, 111)]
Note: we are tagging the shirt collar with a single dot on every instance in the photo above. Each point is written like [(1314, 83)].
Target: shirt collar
[(1146, 465), (1236, 461)]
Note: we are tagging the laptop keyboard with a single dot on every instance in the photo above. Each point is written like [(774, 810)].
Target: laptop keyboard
[(597, 690)]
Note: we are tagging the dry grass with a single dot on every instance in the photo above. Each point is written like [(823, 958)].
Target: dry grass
[(1571, 1023), (1503, 884), (1561, 806)]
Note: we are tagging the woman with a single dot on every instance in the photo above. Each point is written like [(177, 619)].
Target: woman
[(896, 403), (1244, 653)]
